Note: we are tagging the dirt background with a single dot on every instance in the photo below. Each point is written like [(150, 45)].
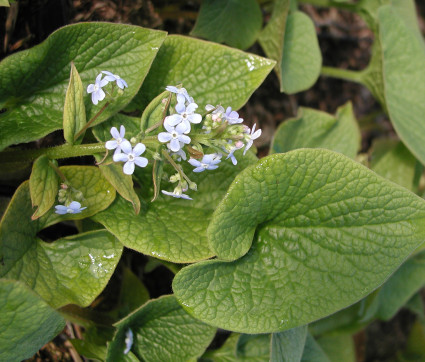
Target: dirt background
[(345, 42)]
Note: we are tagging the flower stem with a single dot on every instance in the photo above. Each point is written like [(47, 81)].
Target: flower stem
[(63, 151), (89, 123), (350, 75)]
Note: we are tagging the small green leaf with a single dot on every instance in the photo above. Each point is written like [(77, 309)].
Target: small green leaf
[(162, 331), (74, 111), (173, 229), (272, 37), (27, 322), (211, 73), (392, 160), (216, 22), (34, 81), (313, 352), (288, 346), (56, 271), (44, 184), (253, 347), (226, 353), (133, 293), (338, 347), (404, 77), (312, 229), (316, 129), (154, 113)]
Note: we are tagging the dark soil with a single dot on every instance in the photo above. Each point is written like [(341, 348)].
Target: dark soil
[(345, 42)]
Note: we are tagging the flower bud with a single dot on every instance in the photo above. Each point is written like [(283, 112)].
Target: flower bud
[(78, 195), (193, 186), (175, 178), (62, 193), (157, 156), (133, 140)]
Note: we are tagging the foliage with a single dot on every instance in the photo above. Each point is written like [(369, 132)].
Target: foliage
[(292, 253)]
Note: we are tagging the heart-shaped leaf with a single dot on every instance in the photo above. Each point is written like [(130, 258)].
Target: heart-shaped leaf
[(173, 229), (236, 23), (34, 81), (211, 73), (162, 331), (56, 271), (27, 322), (319, 231), (316, 129)]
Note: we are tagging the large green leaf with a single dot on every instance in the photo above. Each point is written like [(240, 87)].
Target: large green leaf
[(211, 73), (162, 331), (316, 129), (27, 322), (173, 229), (236, 22), (404, 77), (34, 82), (308, 232), (56, 271)]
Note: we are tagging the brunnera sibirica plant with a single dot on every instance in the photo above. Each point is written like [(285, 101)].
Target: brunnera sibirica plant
[(291, 254)]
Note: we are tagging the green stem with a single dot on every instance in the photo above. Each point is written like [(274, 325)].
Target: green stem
[(89, 123), (63, 151), (350, 75)]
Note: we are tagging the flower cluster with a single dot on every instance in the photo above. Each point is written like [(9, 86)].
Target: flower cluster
[(97, 93), (67, 195), (185, 130)]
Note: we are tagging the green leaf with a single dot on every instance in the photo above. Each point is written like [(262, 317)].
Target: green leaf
[(404, 77), (34, 81), (56, 271), (253, 347), (155, 111), (338, 347), (319, 231), (97, 192), (162, 331), (27, 322), (301, 60), (289, 345), (313, 352), (133, 292), (211, 73), (316, 129), (74, 111), (392, 160), (4, 3), (226, 353), (236, 22), (44, 184), (173, 229), (272, 37)]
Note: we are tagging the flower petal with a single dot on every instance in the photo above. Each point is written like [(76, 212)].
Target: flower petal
[(111, 145), (139, 149), (128, 168), (115, 133), (183, 138), (90, 88), (141, 161), (100, 94), (126, 146), (191, 108), (172, 89), (180, 107), (106, 72), (120, 157), (164, 137), (194, 162), (183, 127), (195, 118), (61, 209), (172, 121), (122, 131), (174, 145)]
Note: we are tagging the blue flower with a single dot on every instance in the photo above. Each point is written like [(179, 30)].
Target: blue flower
[(128, 340), (121, 83), (175, 135), (73, 208), (177, 195), (119, 139), (181, 93), (131, 157), (208, 162), (185, 115), (250, 137), (232, 117), (97, 93)]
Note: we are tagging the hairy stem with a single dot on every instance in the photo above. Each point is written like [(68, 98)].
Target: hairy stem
[(350, 75)]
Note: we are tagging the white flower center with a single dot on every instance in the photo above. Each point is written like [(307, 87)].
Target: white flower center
[(174, 134), (69, 211), (204, 165), (184, 115), (96, 87), (119, 140), (117, 77), (131, 157)]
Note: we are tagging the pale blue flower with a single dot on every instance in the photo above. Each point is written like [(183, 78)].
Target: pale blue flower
[(208, 162), (73, 208), (231, 155), (250, 137), (118, 141), (121, 83), (175, 135), (232, 117), (181, 93), (185, 115), (97, 93), (131, 157), (128, 340), (177, 195)]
